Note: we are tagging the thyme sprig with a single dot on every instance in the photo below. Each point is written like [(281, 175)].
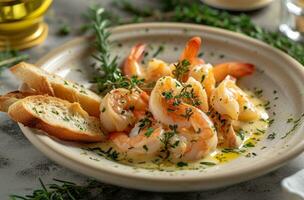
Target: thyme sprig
[(66, 190), (181, 69)]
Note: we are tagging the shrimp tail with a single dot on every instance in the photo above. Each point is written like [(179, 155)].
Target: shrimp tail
[(235, 69), (191, 50), (131, 66)]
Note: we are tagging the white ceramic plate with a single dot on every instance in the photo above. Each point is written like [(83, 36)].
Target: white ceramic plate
[(276, 72), (238, 5)]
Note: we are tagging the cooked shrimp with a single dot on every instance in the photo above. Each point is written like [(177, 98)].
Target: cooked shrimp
[(155, 69), (191, 51), (139, 145), (194, 94), (131, 66), (120, 108), (204, 74), (230, 101), (197, 141), (226, 134), (201, 139), (235, 69)]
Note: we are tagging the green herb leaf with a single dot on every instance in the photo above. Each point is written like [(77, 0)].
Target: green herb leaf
[(149, 132), (181, 69), (11, 57), (208, 163), (64, 30), (181, 164)]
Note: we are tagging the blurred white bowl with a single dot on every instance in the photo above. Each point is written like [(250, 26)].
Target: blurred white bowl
[(238, 5), (293, 186)]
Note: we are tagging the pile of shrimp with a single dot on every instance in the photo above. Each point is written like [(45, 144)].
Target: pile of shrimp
[(182, 119)]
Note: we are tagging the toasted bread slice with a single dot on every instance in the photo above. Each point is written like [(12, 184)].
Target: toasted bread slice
[(57, 117), (10, 98), (53, 85)]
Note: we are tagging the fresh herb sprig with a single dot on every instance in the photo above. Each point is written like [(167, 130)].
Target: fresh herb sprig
[(11, 57), (65, 190), (110, 73), (181, 69)]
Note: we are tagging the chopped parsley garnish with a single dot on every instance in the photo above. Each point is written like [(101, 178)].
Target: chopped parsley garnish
[(289, 120), (145, 148), (110, 153), (241, 134), (208, 163), (249, 144), (203, 78), (181, 164), (145, 122), (167, 94), (160, 49), (176, 143), (188, 113), (201, 54), (55, 112), (296, 123), (166, 139), (149, 132), (181, 69), (271, 136)]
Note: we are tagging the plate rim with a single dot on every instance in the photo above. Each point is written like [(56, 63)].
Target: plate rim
[(253, 171), (252, 8)]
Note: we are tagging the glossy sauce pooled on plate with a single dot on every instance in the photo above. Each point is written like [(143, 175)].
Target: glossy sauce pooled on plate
[(188, 114)]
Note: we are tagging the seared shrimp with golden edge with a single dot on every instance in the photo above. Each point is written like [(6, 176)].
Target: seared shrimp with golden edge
[(142, 143), (230, 101), (152, 72), (197, 135), (120, 109)]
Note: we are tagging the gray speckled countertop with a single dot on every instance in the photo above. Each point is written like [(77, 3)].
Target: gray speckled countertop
[(21, 163)]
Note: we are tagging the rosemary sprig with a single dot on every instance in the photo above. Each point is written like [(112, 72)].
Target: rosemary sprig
[(110, 74), (108, 67)]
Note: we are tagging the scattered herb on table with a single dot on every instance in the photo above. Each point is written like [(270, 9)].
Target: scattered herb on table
[(64, 30), (65, 190)]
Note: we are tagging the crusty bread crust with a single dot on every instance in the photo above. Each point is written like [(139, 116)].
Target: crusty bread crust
[(20, 112), (53, 85), (8, 99)]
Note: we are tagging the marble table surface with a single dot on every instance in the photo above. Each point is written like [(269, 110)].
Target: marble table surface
[(21, 164)]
